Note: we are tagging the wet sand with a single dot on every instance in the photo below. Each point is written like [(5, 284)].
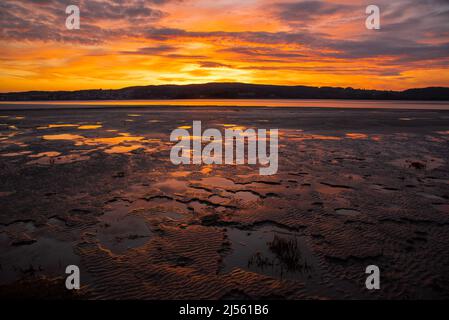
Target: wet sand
[(96, 188)]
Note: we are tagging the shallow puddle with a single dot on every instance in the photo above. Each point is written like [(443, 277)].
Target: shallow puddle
[(180, 174), (272, 251), (59, 125), (123, 149), (114, 144), (15, 154), (218, 182), (206, 169), (348, 212), (45, 154), (64, 159), (356, 136), (90, 127), (246, 197), (121, 230), (329, 189), (172, 186), (160, 208), (46, 256), (63, 136), (303, 137)]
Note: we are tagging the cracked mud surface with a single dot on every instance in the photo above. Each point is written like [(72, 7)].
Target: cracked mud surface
[(354, 188)]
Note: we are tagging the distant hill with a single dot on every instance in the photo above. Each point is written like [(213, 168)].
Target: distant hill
[(229, 91)]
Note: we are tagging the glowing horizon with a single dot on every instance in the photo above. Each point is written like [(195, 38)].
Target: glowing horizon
[(136, 43)]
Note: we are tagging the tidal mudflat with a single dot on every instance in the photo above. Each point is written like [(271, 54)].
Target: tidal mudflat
[(96, 188)]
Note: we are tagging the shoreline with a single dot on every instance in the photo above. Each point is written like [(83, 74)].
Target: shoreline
[(228, 103)]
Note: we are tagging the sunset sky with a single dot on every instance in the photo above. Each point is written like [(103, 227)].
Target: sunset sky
[(125, 43)]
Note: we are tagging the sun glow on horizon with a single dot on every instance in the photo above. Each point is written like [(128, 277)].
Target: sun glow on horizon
[(320, 43)]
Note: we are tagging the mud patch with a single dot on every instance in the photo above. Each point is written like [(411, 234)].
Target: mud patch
[(347, 212)]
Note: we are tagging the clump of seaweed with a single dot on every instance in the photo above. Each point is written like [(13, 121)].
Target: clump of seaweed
[(288, 253), (418, 165), (260, 261)]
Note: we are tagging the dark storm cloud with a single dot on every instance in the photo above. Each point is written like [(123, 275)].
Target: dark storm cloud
[(45, 19), (186, 56), (382, 44), (151, 50), (326, 69), (254, 37), (401, 50), (264, 52), (306, 11), (119, 10), (211, 64)]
